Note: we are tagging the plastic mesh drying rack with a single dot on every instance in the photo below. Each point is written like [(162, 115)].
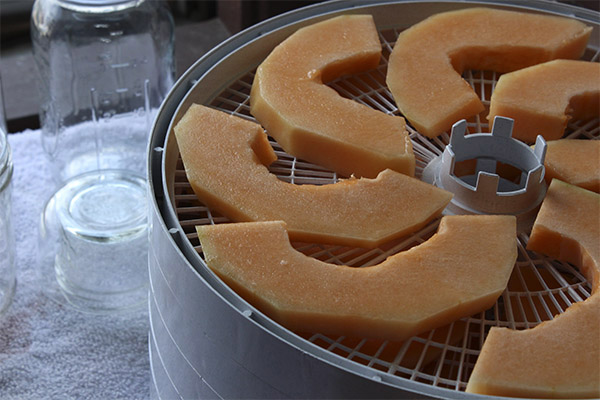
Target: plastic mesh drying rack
[(539, 287)]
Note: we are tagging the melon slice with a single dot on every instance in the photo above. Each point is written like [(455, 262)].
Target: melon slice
[(568, 228), (225, 156), (311, 120), (558, 358), (459, 271), (543, 98), (425, 66), (574, 161)]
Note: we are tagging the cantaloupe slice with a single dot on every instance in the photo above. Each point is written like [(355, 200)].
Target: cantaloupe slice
[(556, 359), (543, 98), (459, 271), (574, 161), (425, 66), (225, 157), (559, 358), (311, 120), (568, 228)]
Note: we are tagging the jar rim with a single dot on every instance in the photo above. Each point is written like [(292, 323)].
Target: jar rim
[(97, 2), (98, 5)]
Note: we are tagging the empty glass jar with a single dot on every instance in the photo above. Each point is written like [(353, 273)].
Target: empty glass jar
[(104, 67)]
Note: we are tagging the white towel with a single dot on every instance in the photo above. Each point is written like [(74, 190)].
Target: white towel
[(49, 351)]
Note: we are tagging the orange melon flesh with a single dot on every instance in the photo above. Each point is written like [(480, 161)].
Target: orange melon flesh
[(543, 98), (459, 271), (558, 358), (225, 157), (568, 228), (574, 161), (312, 121), (425, 66)]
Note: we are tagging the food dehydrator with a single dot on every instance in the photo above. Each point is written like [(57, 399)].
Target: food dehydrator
[(207, 342)]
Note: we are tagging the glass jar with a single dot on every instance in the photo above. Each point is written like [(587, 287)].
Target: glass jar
[(7, 245), (104, 67)]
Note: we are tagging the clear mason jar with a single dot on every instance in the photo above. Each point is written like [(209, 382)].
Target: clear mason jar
[(104, 67), (7, 245)]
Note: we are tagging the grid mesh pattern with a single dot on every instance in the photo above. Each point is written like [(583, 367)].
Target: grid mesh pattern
[(539, 287)]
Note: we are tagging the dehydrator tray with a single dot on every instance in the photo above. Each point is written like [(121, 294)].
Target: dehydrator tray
[(434, 364)]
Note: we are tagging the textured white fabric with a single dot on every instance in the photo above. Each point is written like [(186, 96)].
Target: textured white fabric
[(48, 351)]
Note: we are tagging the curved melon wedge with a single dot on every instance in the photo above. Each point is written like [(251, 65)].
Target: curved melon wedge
[(558, 358), (225, 156), (459, 271), (574, 161), (312, 121), (543, 98), (568, 228), (426, 63)]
